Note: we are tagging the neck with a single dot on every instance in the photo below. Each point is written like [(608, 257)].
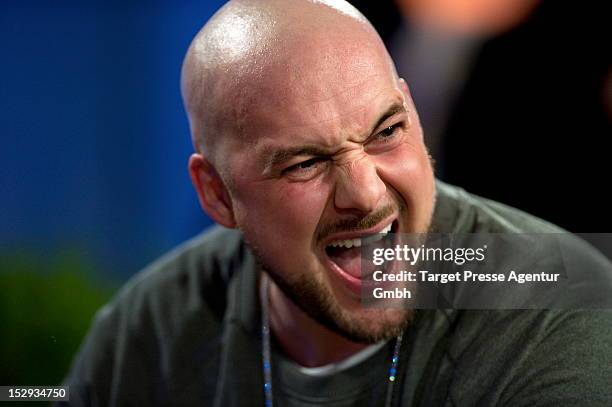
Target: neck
[(300, 337)]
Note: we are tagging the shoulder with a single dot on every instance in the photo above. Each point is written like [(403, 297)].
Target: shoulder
[(193, 275), (531, 357), (559, 356), (523, 240), (460, 211), (166, 321)]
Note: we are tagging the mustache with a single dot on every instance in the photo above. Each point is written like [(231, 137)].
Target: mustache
[(355, 224)]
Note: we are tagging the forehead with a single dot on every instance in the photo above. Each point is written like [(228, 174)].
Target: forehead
[(327, 88)]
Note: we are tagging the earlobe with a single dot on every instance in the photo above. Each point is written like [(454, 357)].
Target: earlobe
[(212, 193)]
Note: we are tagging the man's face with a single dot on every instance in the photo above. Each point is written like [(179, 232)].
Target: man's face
[(332, 151)]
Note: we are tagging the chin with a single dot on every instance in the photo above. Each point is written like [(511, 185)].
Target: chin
[(375, 325)]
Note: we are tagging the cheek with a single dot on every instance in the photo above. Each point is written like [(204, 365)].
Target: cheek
[(287, 212), (300, 205), (408, 170), (407, 164)]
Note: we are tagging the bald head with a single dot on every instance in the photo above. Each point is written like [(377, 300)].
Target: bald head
[(253, 54)]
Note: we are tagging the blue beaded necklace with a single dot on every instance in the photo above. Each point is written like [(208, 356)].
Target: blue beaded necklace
[(266, 355)]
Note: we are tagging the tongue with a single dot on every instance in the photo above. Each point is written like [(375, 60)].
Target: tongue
[(348, 260)]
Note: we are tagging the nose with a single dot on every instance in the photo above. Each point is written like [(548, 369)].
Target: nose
[(359, 187)]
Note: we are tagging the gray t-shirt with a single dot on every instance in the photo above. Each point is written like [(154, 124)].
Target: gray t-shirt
[(186, 332), (356, 384)]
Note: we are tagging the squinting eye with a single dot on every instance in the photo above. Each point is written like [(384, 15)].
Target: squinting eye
[(388, 133), (304, 167), (306, 164), (386, 139)]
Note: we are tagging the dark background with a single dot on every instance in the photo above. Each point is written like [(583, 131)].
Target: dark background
[(530, 123)]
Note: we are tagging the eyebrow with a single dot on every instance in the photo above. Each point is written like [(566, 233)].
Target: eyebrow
[(274, 157), (395, 108)]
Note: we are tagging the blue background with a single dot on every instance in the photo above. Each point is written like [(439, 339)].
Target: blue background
[(95, 141)]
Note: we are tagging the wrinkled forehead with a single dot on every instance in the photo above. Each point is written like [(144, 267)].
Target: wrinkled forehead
[(323, 80)]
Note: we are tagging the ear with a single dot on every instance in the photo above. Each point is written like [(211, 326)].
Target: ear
[(212, 193), (404, 87)]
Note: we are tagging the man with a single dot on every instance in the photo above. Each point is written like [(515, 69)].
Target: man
[(306, 139)]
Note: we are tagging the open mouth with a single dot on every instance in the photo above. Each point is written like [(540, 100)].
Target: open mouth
[(346, 254)]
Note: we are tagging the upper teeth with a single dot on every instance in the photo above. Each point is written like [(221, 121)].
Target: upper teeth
[(357, 242)]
